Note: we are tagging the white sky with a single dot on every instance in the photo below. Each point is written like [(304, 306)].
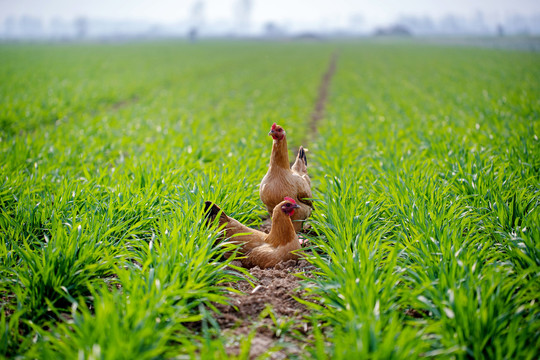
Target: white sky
[(337, 12)]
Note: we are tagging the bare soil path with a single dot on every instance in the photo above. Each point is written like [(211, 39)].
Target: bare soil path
[(319, 108), (322, 98), (248, 312)]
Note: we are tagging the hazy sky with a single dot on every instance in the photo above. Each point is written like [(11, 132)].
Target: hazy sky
[(338, 12)]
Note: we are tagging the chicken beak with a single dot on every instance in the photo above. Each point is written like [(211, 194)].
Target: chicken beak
[(296, 206), (271, 133)]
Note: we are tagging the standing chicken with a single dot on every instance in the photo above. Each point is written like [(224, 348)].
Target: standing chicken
[(261, 249), (282, 180)]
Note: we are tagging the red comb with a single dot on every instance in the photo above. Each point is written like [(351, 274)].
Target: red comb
[(290, 200), (274, 126)]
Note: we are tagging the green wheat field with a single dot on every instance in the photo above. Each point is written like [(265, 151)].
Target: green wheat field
[(425, 171)]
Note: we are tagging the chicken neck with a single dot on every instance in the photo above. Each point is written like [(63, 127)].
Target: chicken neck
[(280, 155), (282, 231)]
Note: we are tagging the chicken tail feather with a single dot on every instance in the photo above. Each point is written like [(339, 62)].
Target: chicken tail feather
[(300, 165), (211, 210), (302, 154)]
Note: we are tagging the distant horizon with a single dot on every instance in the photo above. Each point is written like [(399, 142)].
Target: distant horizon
[(253, 17), (335, 13)]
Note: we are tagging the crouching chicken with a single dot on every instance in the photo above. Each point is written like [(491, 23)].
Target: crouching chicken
[(283, 180), (261, 249)]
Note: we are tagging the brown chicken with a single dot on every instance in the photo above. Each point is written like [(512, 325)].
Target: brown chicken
[(282, 180), (261, 249)]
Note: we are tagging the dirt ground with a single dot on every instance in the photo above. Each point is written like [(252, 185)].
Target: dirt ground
[(274, 291)]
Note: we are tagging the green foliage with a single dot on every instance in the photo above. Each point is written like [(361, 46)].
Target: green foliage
[(425, 172), (428, 205)]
